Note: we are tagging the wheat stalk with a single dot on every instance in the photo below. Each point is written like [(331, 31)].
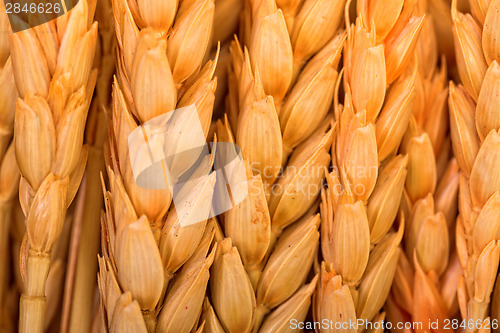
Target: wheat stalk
[(474, 132), (159, 68), (83, 291), (53, 72)]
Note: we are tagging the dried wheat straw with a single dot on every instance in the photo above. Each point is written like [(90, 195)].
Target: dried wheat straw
[(82, 296)]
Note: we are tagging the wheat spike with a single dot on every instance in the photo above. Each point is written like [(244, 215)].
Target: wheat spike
[(160, 52), (430, 212), (281, 83), (477, 236), (367, 181), (53, 72), (9, 176)]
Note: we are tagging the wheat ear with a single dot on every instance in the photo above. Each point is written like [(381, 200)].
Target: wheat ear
[(475, 125), (356, 210), (425, 283), (53, 72), (281, 84)]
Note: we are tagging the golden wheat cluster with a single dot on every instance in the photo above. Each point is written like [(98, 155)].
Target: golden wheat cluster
[(304, 166)]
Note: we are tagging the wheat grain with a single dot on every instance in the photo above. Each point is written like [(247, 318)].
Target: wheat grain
[(367, 180), (231, 289), (210, 319), (53, 73)]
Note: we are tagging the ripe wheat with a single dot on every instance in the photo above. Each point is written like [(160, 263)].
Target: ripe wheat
[(53, 73), (160, 50), (366, 184), (429, 206), (475, 125), (280, 90), (82, 294)]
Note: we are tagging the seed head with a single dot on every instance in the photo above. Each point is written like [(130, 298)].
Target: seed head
[(289, 263)]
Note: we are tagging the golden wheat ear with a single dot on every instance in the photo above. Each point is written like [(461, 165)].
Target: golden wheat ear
[(53, 72)]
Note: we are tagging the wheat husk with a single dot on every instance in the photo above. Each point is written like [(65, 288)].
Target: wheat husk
[(468, 51), (208, 316), (464, 137), (446, 195), (295, 308), (187, 293), (490, 35), (231, 290), (488, 101), (249, 227), (287, 267), (398, 107), (386, 197), (127, 316), (380, 272), (305, 170), (333, 300), (422, 173)]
